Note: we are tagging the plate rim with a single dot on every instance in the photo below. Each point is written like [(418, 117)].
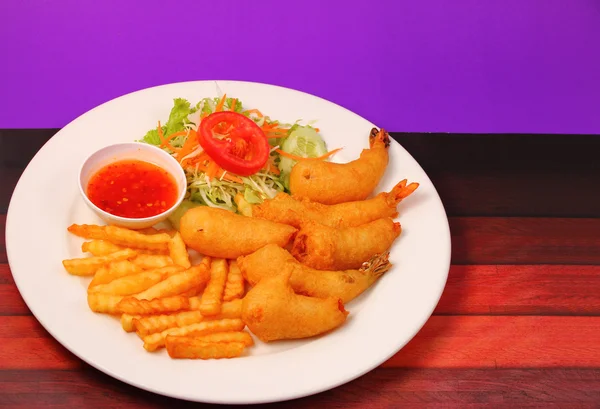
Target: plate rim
[(272, 398)]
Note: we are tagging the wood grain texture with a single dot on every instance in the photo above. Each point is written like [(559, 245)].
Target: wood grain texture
[(381, 388), (503, 342), (521, 290), (444, 342), (511, 175), (518, 240), (27, 345), (3, 257)]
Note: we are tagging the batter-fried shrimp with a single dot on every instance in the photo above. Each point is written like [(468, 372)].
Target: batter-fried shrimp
[(288, 210), (272, 311), (346, 284), (220, 233), (326, 248), (332, 183)]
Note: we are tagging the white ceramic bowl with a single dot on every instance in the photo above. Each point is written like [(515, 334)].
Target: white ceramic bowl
[(124, 151)]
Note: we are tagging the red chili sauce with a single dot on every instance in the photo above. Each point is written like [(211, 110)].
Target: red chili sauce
[(133, 189)]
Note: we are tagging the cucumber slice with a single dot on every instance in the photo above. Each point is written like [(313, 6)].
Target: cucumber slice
[(303, 141)]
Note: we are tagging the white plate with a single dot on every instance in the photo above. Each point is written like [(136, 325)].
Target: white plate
[(381, 321)]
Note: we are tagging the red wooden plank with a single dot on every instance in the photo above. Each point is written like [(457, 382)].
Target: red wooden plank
[(5, 275), (11, 302), (3, 258), (25, 344), (521, 289), (503, 342), (519, 240), (444, 342), (380, 388)]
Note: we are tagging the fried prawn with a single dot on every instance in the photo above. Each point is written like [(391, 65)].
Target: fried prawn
[(223, 234), (345, 284), (326, 248), (272, 311), (288, 210), (332, 183)]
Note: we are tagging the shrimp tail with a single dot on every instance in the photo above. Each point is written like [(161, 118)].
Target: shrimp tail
[(377, 265), (400, 192), (379, 136)]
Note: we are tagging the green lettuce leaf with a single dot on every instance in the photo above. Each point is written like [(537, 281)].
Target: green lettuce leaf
[(152, 137), (181, 109)]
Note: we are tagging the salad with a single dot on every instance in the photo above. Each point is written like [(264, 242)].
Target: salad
[(226, 150)]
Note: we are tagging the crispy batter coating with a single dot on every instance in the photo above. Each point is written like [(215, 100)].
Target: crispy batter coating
[(272, 311), (223, 234), (326, 248), (345, 284), (332, 183), (288, 210)]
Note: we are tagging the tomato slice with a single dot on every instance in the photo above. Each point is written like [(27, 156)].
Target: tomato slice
[(234, 142)]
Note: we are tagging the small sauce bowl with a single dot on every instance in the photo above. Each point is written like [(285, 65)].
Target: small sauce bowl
[(131, 151)]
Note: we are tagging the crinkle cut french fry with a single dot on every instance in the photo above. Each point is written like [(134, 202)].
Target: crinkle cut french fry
[(234, 287), (127, 321), (113, 271), (89, 265), (192, 292), (232, 336), (176, 284), (149, 324), (212, 297), (132, 238), (134, 306), (229, 309), (157, 340), (146, 325), (191, 348), (148, 230), (104, 303), (178, 251), (88, 231), (131, 284), (100, 247), (151, 261)]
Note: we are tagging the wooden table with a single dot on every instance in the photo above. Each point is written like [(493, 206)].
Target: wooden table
[(518, 323)]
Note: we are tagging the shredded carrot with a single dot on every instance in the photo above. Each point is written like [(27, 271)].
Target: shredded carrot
[(255, 111), (277, 133), (272, 125), (233, 104), (189, 145), (160, 133), (270, 167), (165, 141), (219, 107), (212, 170), (201, 158), (289, 155)]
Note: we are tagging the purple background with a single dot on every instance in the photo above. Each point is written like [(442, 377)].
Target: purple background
[(419, 65)]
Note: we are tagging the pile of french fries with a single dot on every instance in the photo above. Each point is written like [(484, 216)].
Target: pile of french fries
[(146, 278)]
